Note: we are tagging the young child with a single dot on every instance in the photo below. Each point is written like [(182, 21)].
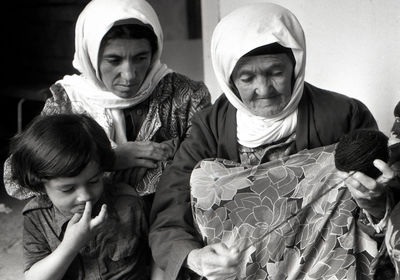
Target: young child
[(77, 227)]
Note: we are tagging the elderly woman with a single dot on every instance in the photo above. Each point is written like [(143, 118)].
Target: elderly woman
[(145, 108), (267, 112)]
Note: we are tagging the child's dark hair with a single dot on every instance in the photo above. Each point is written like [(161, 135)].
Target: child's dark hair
[(58, 146), (131, 31)]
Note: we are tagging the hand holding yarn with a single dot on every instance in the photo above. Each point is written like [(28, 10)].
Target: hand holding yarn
[(365, 152)]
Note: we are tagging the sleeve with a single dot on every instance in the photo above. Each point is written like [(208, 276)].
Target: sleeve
[(11, 186), (362, 118), (58, 103), (35, 246), (200, 99), (172, 233)]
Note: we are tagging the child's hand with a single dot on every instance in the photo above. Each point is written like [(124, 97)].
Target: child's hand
[(82, 228)]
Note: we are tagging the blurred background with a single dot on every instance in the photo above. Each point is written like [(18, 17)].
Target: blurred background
[(353, 47)]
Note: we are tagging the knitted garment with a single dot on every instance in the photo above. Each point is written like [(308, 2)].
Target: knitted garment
[(356, 151)]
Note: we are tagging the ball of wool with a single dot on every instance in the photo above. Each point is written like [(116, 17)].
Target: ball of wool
[(357, 150)]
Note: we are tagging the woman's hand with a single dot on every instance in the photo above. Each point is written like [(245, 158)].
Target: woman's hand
[(370, 194), (141, 154), (82, 227), (215, 261)]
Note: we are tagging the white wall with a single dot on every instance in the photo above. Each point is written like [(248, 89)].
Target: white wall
[(353, 47)]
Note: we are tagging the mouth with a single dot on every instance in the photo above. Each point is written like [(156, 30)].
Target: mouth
[(269, 100), (127, 87)]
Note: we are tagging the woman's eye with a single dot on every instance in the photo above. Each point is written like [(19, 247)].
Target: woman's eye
[(67, 190), (112, 60), (141, 58), (246, 78)]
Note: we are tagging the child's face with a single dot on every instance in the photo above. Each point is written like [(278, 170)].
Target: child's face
[(69, 194)]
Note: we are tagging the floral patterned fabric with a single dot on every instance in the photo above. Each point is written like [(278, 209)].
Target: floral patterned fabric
[(258, 209)]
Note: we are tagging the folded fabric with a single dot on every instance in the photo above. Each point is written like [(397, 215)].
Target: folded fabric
[(293, 218)]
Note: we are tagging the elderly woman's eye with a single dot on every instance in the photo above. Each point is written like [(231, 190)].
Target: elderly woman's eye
[(246, 78)]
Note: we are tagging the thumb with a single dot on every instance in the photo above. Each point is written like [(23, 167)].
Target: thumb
[(387, 172)]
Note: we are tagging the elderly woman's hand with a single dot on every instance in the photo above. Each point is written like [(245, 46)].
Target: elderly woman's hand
[(141, 154), (370, 194), (215, 261)]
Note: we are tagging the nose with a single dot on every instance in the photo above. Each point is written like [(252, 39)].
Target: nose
[(262, 86), (128, 71), (84, 194)]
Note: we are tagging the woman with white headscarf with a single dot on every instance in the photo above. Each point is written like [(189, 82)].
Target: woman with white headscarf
[(267, 112), (144, 107)]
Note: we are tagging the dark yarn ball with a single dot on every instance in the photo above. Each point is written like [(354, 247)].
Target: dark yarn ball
[(357, 150), (396, 111)]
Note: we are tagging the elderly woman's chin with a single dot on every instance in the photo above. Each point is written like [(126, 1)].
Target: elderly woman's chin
[(265, 109)]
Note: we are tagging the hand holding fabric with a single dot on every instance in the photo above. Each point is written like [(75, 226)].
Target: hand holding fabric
[(215, 261)]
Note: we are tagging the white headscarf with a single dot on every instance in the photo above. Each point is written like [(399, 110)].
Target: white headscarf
[(242, 31), (87, 90)]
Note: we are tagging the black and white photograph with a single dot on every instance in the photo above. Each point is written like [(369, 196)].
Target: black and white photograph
[(200, 139)]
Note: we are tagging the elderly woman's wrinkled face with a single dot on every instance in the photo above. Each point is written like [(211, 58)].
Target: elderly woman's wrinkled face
[(264, 82), (123, 65)]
